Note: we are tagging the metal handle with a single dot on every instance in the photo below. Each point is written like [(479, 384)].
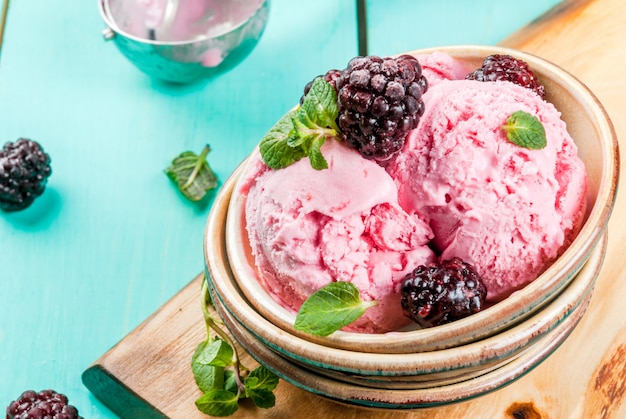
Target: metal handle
[(108, 34)]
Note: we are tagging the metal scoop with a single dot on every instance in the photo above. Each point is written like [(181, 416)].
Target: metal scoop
[(171, 7), (148, 19), (184, 40)]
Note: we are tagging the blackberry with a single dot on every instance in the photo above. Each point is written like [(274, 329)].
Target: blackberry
[(47, 404), (24, 172), (441, 293), (379, 101), (331, 77), (504, 67)]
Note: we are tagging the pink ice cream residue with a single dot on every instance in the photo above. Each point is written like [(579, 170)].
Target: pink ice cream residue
[(439, 66), (185, 20)]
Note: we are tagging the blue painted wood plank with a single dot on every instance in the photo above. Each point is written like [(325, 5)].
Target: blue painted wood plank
[(404, 25), (111, 240)]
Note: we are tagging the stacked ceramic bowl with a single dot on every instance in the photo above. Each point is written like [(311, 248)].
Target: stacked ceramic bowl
[(443, 364)]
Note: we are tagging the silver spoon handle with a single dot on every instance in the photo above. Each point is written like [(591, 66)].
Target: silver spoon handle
[(171, 8)]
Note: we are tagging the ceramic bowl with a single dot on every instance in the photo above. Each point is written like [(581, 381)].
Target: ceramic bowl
[(411, 370), (593, 133), (172, 41), (383, 395), (466, 358)]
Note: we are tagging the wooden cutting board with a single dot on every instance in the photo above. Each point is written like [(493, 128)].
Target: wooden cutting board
[(147, 374)]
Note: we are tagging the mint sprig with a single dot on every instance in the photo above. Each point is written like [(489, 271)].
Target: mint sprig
[(276, 148), (330, 308), (302, 131), (192, 174), (525, 130), (220, 375)]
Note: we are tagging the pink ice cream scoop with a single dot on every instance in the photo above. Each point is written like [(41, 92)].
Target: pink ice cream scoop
[(458, 188), (439, 66), (506, 209), (308, 228)]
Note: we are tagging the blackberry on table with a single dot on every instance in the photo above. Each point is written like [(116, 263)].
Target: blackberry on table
[(498, 67), (441, 293), (24, 172), (379, 101), (47, 404)]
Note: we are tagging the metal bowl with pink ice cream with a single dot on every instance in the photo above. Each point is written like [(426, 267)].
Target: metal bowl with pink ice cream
[(184, 41)]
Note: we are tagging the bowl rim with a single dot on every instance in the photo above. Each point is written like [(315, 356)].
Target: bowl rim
[(293, 346), (511, 310), (405, 398)]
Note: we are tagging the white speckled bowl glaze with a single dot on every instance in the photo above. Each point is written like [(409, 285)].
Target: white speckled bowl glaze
[(445, 363)]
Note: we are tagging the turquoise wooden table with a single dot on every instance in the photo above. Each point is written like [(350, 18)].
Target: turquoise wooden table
[(111, 239)]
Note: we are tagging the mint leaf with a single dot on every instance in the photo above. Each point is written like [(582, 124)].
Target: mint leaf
[(317, 160), (263, 398), (330, 308), (261, 377), (302, 131), (312, 141), (320, 104), (217, 353), (230, 381), (275, 147), (260, 385), (218, 403), (525, 130), (207, 377), (192, 174)]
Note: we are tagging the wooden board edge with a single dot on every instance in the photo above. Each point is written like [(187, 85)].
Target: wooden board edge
[(112, 391), (118, 397)]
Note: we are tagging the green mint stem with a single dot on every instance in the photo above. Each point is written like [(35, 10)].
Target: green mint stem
[(211, 324), (334, 128), (326, 132), (198, 166)]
